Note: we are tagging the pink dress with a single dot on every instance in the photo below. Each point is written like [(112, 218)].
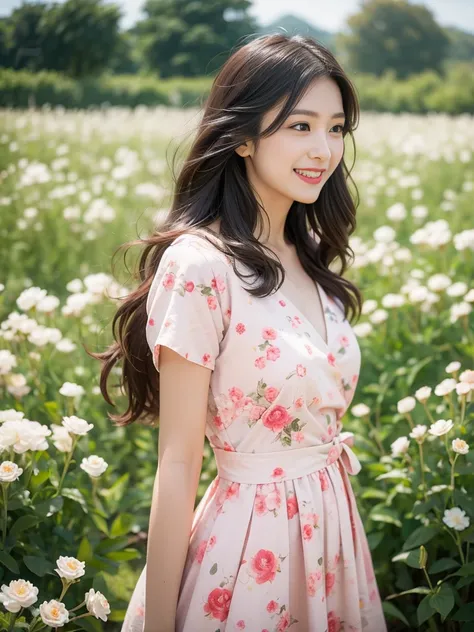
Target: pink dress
[(277, 541)]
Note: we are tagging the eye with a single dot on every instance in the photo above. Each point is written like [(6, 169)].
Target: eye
[(307, 125)]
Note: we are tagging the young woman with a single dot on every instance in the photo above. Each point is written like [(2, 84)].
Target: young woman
[(239, 332)]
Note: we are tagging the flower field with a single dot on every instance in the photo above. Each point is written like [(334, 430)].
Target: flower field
[(76, 491)]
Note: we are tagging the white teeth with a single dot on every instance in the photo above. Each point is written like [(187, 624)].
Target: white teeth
[(309, 174)]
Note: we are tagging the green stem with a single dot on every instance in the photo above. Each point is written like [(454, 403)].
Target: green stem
[(453, 464), (12, 621), (66, 466), (422, 466), (5, 512)]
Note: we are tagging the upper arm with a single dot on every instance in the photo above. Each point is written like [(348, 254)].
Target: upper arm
[(184, 389)]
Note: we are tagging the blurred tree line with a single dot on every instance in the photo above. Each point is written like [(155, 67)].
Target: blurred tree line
[(81, 38)]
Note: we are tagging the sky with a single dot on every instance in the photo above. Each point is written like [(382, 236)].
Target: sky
[(330, 16)]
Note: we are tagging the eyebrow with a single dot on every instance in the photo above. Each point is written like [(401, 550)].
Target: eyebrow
[(316, 114)]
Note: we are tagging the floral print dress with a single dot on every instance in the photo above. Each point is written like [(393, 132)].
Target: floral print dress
[(277, 541)]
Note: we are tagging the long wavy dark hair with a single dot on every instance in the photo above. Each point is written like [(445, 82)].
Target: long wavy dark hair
[(212, 184)]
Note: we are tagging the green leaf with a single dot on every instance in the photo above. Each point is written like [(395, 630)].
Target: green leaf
[(111, 544), (425, 610), (47, 508), (375, 539), (384, 514), (9, 562), (415, 558), (125, 555), (53, 411), (100, 523), (419, 536), (85, 552), (122, 525), (465, 613), (74, 494), (419, 590), (443, 564), (395, 473), (53, 472), (466, 569), (392, 611), (443, 600), (23, 523), (38, 565), (213, 570)]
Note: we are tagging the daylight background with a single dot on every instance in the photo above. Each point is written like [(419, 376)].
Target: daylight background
[(95, 99)]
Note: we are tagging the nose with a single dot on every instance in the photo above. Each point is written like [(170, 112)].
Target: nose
[(320, 149)]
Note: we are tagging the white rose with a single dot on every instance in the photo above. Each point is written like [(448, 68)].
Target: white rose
[(69, 567), (7, 361), (9, 472), (94, 465), (54, 613), (456, 518), (11, 415), (61, 438), (18, 594), (70, 389), (400, 446), (418, 432), (97, 604), (76, 425), (441, 427), (406, 404), (460, 446), (453, 366), (359, 410)]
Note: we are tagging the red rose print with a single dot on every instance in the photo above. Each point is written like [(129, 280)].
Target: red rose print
[(240, 625), (334, 623), (284, 622), (278, 472), (268, 333), (217, 284), (276, 418), (151, 322), (212, 302), (206, 358), (282, 303), (168, 281), (264, 566), (260, 363), (307, 531), (236, 394), (218, 603), (313, 583), (272, 606), (271, 393), (323, 479), (300, 370), (330, 580), (256, 412), (273, 353), (292, 506), (189, 286), (331, 359), (333, 455), (240, 328)]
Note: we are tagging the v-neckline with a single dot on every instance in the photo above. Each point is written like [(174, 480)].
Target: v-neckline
[(322, 299)]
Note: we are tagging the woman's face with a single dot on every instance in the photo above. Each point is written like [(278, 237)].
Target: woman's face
[(303, 141)]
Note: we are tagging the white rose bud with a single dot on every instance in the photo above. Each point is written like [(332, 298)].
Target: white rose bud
[(406, 404), (97, 604), (69, 567), (9, 472), (18, 594), (94, 465), (54, 613), (423, 393), (400, 446), (418, 432), (61, 438)]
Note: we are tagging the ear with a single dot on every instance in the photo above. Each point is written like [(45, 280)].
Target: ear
[(246, 149)]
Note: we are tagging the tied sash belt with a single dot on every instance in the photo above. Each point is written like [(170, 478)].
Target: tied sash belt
[(256, 468)]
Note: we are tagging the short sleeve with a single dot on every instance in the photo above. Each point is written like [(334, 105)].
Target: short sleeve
[(185, 305)]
